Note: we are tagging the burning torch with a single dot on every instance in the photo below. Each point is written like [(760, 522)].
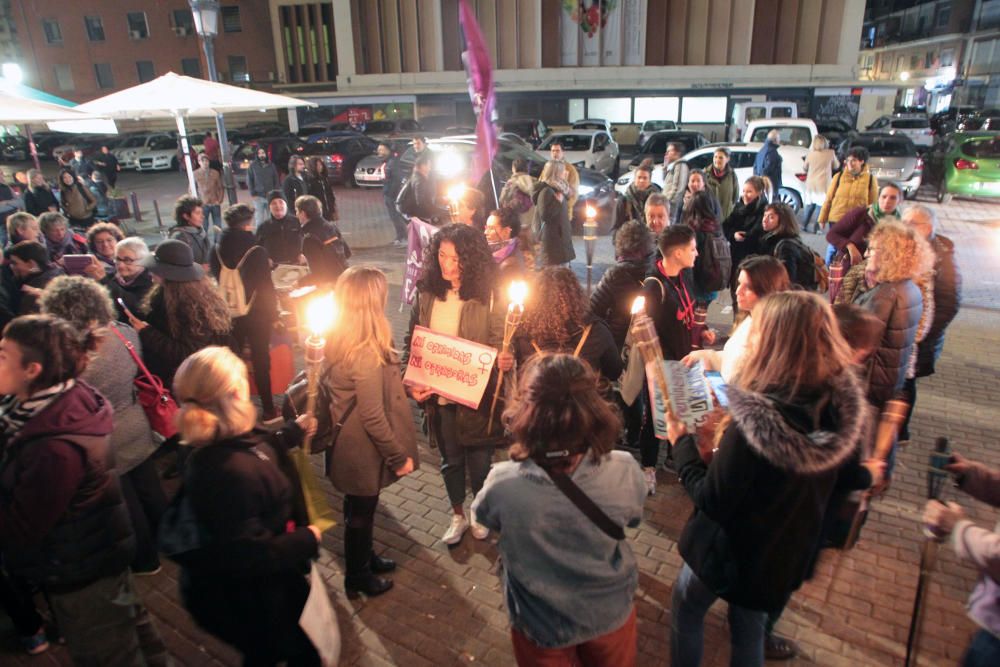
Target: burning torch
[(321, 312), (455, 194), (648, 343), (590, 240), (517, 292)]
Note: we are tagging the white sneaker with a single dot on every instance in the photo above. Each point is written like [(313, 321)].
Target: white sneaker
[(455, 530), (650, 480), (478, 530)]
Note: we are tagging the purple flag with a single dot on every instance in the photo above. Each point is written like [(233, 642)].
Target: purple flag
[(479, 71), (420, 235)]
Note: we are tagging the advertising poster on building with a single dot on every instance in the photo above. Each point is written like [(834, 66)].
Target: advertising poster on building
[(455, 368), (602, 32)]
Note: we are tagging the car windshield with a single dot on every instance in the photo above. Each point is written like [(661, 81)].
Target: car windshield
[(589, 126), (985, 147), (134, 142), (657, 145), (886, 147), (161, 143), (911, 123), (790, 136), (518, 127), (570, 142), (657, 125)]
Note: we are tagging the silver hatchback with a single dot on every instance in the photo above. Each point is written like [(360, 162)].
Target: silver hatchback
[(892, 157)]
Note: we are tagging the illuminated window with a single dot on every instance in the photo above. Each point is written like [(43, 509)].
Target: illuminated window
[(703, 110)]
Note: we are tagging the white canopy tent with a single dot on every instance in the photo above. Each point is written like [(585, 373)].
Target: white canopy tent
[(179, 97)]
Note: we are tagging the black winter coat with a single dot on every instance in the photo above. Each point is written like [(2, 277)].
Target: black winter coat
[(746, 219), (38, 201), (787, 253), (898, 305), (281, 238), (325, 251), (132, 294), (947, 299), (294, 187), (759, 505), (667, 299), (613, 296), (247, 584), (598, 350), (552, 227)]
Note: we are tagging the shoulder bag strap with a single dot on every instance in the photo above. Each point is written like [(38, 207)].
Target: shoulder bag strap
[(659, 283), (156, 382), (538, 350), (586, 505), (583, 339)]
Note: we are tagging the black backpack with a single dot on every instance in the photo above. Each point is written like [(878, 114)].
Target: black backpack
[(714, 265), (809, 265)]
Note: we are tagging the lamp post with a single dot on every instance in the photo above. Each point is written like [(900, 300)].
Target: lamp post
[(206, 23)]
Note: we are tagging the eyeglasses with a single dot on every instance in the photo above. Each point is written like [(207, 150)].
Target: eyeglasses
[(125, 260)]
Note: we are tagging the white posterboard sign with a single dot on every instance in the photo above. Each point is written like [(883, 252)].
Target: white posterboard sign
[(690, 395), (455, 368)]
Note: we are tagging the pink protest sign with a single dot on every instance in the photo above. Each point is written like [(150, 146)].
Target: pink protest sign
[(455, 368)]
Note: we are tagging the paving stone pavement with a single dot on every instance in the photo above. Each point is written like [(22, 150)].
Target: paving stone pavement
[(447, 607)]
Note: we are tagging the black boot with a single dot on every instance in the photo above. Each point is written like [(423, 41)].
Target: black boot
[(359, 560), (381, 565)]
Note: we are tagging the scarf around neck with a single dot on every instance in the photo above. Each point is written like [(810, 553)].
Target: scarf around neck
[(14, 414)]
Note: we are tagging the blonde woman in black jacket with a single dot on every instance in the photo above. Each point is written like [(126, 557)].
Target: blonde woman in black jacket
[(796, 416)]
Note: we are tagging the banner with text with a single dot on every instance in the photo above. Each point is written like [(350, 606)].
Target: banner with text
[(455, 368), (689, 392)]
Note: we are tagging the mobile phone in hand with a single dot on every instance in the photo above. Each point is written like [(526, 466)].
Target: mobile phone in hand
[(76, 265), (121, 303)]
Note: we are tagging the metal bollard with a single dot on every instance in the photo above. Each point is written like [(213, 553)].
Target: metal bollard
[(156, 209), (136, 213)]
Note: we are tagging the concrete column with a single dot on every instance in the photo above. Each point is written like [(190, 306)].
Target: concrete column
[(850, 32)]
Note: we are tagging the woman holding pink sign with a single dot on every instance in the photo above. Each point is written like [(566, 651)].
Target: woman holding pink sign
[(457, 297)]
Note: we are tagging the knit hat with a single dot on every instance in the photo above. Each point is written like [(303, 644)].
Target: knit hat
[(275, 194)]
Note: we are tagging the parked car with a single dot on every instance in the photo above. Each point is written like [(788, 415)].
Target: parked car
[(593, 149), (307, 131), (978, 120), (741, 159), (964, 164), (453, 155), (46, 141), (793, 131), (256, 131), (916, 127), (341, 155), (745, 113), (14, 148), (650, 127), (278, 149), (160, 154), (370, 170), (531, 130), (892, 157), (594, 124), (331, 134), (128, 151), (656, 146), (516, 138), (88, 143), (945, 122)]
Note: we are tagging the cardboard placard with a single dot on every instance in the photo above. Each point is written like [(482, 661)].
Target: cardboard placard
[(690, 396), (455, 368)]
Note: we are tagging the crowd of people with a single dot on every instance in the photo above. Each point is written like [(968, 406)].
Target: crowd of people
[(82, 503)]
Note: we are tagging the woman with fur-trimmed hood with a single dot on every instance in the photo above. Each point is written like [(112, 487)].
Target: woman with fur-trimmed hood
[(796, 415)]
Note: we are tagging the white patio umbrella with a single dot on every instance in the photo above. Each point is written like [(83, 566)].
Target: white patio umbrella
[(17, 110), (179, 97)]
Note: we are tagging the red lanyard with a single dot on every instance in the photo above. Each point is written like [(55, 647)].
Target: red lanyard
[(685, 313)]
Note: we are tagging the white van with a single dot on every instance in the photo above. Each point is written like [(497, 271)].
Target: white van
[(745, 112)]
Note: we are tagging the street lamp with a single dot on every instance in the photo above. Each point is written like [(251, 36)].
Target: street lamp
[(206, 23)]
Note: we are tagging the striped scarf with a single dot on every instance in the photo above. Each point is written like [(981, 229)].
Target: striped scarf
[(14, 414)]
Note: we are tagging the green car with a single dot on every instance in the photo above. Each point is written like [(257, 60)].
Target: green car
[(965, 164)]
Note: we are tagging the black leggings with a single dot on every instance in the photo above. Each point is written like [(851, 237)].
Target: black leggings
[(257, 333), (359, 526)]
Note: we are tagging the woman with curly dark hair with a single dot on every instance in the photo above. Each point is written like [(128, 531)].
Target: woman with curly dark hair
[(183, 311), (457, 297), (101, 240), (557, 318), (321, 187)]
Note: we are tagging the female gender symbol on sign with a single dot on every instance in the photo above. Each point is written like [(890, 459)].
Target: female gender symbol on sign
[(485, 358)]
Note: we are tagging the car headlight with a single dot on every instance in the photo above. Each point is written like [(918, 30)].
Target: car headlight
[(584, 190), (582, 164), (449, 164), (625, 180)]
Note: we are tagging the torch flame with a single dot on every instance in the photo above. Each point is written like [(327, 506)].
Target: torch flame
[(455, 192), (591, 212), (320, 314), (517, 292), (639, 305)]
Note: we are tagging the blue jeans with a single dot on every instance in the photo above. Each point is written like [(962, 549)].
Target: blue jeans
[(212, 212), (690, 603), (260, 211), (983, 651), (831, 250)]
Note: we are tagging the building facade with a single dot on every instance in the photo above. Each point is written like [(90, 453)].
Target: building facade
[(936, 53), (83, 50)]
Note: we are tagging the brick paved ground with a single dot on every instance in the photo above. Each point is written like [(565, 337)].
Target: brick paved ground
[(447, 608)]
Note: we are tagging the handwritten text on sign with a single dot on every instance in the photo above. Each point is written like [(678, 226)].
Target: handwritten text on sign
[(455, 368), (690, 396)]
